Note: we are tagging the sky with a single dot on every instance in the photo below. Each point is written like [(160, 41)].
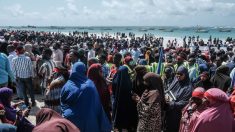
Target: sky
[(117, 12)]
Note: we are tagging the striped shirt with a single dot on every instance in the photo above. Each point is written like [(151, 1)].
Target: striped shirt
[(46, 71), (22, 66)]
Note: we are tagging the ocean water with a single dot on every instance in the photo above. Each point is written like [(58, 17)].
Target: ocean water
[(177, 32)]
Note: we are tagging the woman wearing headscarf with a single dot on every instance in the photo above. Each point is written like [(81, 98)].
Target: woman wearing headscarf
[(150, 106), (80, 102), (221, 78), (179, 93), (218, 116), (138, 83), (168, 76), (191, 112), (11, 114), (48, 120), (124, 108), (204, 81), (52, 94), (95, 74)]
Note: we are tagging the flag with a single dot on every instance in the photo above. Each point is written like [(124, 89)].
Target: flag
[(160, 61)]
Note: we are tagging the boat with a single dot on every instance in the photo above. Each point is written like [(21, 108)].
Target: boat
[(107, 29), (143, 30), (224, 30), (161, 28), (202, 31), (168, 30), (29, 26), (128, 29), (151, 29)]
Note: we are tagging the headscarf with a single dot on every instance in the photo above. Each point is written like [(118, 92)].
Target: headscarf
[(184, 71), (154, 83), (138, 83), (198, 92), (80, 102), (100, 83), (232, 102), (221, 79), (5, 95), (110, 59), (92, 60), (78, 73), (218, 117), (47, 120), (143, 62), (202, 68)]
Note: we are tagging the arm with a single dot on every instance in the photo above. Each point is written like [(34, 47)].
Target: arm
[(8, 69)]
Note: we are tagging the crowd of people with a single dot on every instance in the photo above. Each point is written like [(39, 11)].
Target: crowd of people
[(91, 83)]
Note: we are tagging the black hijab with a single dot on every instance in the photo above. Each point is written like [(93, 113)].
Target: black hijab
[(221, 79)]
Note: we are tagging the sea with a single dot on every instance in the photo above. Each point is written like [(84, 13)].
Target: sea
[(158, 31)]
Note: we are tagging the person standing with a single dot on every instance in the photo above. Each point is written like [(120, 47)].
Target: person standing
[(179, 93), (5, 70), (46, 69), (80, 102), (22, 68), (57, 54)]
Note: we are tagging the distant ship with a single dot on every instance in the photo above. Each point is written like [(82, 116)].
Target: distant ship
[(161, 28), (107, 29), (143, 30), (29, 26), (202, 31), (169, 30), (151, 29), (224, 30), (128, 29)]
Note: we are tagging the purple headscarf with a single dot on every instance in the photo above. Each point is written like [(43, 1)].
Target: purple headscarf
[(5, 95)]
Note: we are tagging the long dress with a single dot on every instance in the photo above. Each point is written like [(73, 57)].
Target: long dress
[(124, 108), (80, 102), (149, 113)]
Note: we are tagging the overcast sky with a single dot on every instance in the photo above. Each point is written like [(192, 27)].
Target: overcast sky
[(117, 12)]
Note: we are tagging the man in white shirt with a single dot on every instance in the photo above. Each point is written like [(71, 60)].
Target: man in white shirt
[(91, 52), (57, 54)]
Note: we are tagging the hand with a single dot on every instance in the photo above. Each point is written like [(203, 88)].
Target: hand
[(136, 98), (18, 103), (26, 112)]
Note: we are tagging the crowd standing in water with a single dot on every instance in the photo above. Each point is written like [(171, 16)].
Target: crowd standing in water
[(96, 83)]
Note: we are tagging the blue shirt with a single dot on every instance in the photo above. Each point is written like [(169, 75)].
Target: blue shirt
[(5, 69)]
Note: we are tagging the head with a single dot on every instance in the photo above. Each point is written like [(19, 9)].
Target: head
[(10, 48), (78, 73), (47, 53), (215, 96), (73, 56), (28, 48), (140, 71), (198, 95), (6, 95), (102, 58), (46, 114), (204, 76), (56, 46), (117, 59), (129, 61), (95, 72), (218, 61), (169, 72), (20, 50), (143, 62), (153, 81), (191, 61), (110, 59), (182, 74), (92, 60)]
